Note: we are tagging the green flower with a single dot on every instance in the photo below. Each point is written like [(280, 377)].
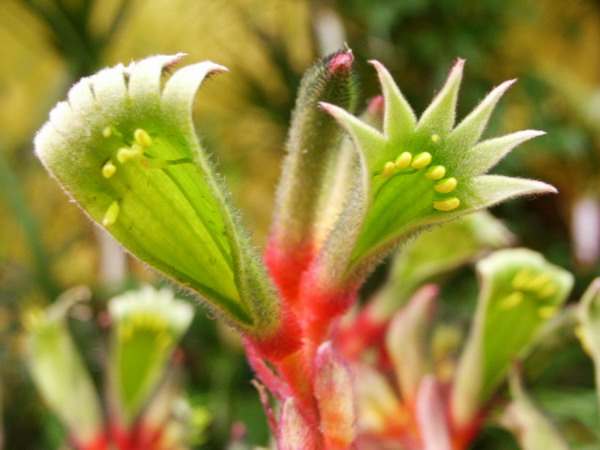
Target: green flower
[(124, 147), (416, 173), (520, 293)]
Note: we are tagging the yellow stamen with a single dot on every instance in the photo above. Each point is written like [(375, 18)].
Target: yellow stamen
[(521, 279), (403, 161), (511, 301), (142, 137), (435, 172), (447, 205), (108, 169), (548, 291), (539, 281), (125, 332), (435, 138), (421, 160), (107, 132), (547, 312), (388, 169), (111, 214), (125, 154), (446, 185)]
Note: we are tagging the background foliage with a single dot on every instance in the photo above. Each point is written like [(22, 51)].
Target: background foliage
[(47, 245)]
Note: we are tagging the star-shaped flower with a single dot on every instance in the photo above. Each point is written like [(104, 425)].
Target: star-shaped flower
[(415, 173)]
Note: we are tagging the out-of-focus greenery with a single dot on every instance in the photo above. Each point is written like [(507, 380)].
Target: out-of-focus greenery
[(47, 245)]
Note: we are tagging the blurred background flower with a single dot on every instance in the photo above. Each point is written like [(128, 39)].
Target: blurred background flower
[(47, 245)]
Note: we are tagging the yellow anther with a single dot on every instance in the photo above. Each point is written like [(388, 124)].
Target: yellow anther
[(435, 138), (125, 332), (163, 340), (511, 300), (421, 160), (539, 281), (107, 132), (521, 279), (157, 323), (403, 161), (108, 169), (447, 205), (139, 320), (435, 172), (125, 154), (547, 291), (547, 312), (388, 169), (142, 137), (446, 185), (111, 214)]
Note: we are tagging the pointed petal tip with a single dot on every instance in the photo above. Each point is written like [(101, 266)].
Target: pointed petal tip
[(460, 61), (534, 133), (540, 188), (329, 108), (504, 86), (458, 65), (379, 67)]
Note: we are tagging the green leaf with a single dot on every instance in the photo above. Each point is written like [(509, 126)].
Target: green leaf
[(125, 149), (520, 292), (415, 176), (148, 324), (59, 373)]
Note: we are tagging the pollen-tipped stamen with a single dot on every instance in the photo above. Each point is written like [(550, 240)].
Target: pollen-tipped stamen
[(111, 215), (521, 279), (142, 137), (511, 300), (108, 169), (446, 185), (388, 169), (403, 161), (421, 160), (548, 291), (547, 312), (447, 205), (435, 172), (125, 154)]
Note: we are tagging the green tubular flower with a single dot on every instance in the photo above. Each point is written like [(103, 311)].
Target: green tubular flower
[(124, 147), (420, 172), (148, 326), (59, 372), (520, 292)]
